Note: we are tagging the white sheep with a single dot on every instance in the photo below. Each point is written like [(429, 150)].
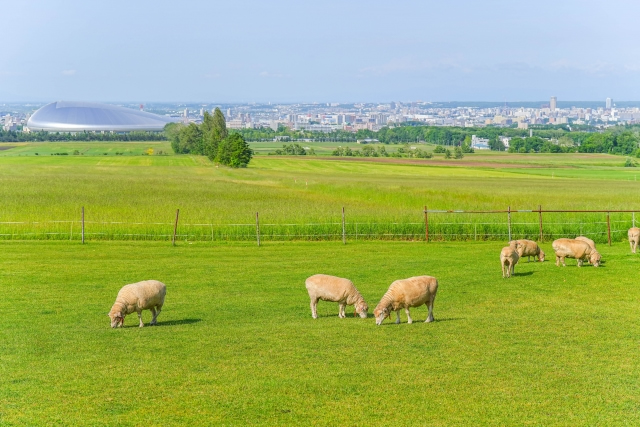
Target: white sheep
[(145, 295), (634, 238), (405, 293), (529, 248), (572, 248), (509, 258), (587, 240), (331, 288)]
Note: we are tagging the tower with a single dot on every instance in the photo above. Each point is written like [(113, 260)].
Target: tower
[(553, 103), (609, 103)]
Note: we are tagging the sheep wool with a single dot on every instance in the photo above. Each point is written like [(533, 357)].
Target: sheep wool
[(145, 295), (405, 293)]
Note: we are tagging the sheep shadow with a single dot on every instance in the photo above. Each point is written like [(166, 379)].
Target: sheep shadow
[(178, 322), (526, 273)]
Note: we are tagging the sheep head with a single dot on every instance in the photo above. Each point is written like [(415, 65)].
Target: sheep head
[(361, 308), (117, 319), (541, 256), (594, 258), (380, 314)]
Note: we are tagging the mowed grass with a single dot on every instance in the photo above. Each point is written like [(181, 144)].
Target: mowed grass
[(236, 344)]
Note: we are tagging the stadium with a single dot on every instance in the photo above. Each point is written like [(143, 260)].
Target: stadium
[(62, 116)]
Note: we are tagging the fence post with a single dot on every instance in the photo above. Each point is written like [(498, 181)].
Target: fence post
[(509, 220), (540, 220), (175, 227), (609, 228), (258, 228), (633, 214), (344, 236), (83, 225), (426, 224)]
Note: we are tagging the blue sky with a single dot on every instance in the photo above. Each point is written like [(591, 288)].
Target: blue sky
[(324, 51)]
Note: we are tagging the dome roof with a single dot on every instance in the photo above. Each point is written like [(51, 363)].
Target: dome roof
[(65, 116)]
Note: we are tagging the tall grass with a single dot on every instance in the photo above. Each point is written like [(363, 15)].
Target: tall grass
[(136, 197)]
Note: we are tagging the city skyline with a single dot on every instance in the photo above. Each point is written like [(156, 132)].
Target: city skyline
[(284, 51)]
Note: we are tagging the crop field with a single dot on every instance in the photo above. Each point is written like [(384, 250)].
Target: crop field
[(235, 343), (134, 196)]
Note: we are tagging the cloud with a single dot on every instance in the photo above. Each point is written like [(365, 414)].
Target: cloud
[(68, 72)]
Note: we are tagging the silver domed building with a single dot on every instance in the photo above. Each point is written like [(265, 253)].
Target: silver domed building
[(63, 116)]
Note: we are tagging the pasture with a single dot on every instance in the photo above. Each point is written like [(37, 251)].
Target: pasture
[(236, 343), (136, 196)]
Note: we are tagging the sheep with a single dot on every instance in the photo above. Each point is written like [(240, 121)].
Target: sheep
[(634, 238), (572, 248), (509, 258), (587, 240), (331, 288), (529, 248), (145, 295), (405, 293)]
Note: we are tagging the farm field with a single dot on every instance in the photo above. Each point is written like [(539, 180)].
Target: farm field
[(300, 198), (236, 344)]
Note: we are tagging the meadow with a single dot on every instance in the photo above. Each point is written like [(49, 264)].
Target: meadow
[(135, 196), (235, 343)]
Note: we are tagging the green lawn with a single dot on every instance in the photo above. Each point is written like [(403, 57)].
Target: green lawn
[(236, 344)]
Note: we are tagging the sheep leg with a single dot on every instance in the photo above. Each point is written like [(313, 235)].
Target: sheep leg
[(430, 306), (140, 317), (158, 310), (557, 261), (409, 319), (503, 272), (155, 315), (341, 313), (314, 308), (397, 317), (579, 262)]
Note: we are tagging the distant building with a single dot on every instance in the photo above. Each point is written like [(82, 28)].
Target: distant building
[(523, 125), (608, 103), (553, 103), (479, 143), (505, 140)]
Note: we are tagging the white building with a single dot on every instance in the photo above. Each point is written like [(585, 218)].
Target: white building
[(479, 143)]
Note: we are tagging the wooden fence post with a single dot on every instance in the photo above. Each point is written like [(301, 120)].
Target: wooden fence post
[(258, 228), (509, 221), (344, 236), (609, 228), (540, 221), (83, 225), (426, 223), (175, 227)]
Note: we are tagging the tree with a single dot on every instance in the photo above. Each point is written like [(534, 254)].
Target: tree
[(214, 130), (458, 153), (447, 154), (234, 151)]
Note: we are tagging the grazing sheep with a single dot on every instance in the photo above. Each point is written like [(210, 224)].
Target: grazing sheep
[(572, 248), (336, 289), (529, 248), (587, 241), (145, 295), (411, 292), (509, 258), (634, 238)]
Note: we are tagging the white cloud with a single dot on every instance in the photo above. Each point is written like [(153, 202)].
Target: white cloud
[(68, 72)]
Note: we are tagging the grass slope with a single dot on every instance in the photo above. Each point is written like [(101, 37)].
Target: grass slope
[(236, 344)]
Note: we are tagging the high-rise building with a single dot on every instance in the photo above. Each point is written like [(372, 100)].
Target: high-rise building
[(609, 103), (553, 103)]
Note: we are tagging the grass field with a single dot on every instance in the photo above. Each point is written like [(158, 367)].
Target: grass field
[(136, 196), (236, 344)]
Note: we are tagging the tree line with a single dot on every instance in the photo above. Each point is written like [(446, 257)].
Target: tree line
[(211, 139), (42, 136)]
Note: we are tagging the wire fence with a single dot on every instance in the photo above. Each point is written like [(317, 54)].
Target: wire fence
[(603, 226)]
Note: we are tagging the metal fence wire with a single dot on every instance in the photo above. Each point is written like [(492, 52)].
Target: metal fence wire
[(602, 226)]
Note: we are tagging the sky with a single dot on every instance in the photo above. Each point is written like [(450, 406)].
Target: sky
[(239, 51)]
